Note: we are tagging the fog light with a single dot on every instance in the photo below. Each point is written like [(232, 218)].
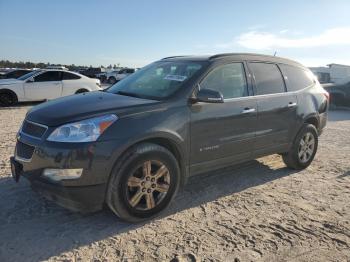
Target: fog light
[(60, 174)]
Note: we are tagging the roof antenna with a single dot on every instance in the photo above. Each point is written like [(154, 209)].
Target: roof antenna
[(275, 53)]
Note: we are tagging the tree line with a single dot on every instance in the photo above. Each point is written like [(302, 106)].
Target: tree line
[(30, 65)]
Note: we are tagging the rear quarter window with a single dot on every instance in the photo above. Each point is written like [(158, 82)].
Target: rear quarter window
[(297, 78), (268, 78), (69, 76)]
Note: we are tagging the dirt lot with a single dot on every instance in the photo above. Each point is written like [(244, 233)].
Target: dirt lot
[(261, 211)]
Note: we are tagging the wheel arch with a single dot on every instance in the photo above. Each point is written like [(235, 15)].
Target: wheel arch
[(82, 90), (168, 141), (313, 120)]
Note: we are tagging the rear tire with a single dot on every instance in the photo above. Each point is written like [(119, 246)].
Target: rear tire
[(80, 91), (103, 79), (143, 182), (304, 148), (112, 80), (8, 98)]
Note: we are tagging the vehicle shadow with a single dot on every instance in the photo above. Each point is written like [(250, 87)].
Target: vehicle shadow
[(21, 105), (34, 228), (344, 175)]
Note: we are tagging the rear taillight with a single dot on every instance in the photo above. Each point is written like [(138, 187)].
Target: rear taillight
[(326, 94)]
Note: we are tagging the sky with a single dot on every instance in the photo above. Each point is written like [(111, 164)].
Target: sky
[(135, 33)]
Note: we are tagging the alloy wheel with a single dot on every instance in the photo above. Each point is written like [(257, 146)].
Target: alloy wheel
[(148, 185), (306, 147)]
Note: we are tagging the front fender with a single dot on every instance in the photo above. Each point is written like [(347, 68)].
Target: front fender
[(162, 138), (170, 126), (18, 89)]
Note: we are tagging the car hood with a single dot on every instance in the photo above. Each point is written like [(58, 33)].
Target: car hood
[(10, 81), (77, 107)]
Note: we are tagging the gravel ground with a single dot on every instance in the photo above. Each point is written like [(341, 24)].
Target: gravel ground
[(261, 211)]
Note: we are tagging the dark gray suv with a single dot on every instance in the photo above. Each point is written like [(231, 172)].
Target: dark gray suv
[(133, 145)]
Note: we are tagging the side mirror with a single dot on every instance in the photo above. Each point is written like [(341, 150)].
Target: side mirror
[(209, 96), (30, 80)]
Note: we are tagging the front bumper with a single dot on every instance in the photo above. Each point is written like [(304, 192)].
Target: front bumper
[(86, 193), (79, 198)]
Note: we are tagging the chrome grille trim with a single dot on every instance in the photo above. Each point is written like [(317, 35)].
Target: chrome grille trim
[(36, 124)]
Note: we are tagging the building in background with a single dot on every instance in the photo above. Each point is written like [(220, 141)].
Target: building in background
[(332, 73)]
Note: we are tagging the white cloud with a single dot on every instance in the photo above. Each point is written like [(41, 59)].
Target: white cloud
[(264, 40), (256, 27)]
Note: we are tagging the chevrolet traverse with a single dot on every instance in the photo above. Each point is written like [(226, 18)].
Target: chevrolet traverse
[(133, 145)]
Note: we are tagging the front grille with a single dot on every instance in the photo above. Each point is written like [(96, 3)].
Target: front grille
[(33, 129), (24, 151)]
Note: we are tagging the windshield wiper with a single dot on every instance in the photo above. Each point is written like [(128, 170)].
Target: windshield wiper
[(124, 93)]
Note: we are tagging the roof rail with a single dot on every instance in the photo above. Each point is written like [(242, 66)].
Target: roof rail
[(231, 54), (173, 57), (221, 55)]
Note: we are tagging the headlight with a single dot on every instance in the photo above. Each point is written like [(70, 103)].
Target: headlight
[(83, 131)]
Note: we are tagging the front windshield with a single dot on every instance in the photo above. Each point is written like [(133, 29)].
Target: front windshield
[(26, 76), (156, 81)]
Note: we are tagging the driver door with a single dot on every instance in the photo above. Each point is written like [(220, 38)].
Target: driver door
[(223, 134), (46, 86)]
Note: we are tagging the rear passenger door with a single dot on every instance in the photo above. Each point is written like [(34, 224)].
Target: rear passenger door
[(47, 85), (276, 109), (70, 83)]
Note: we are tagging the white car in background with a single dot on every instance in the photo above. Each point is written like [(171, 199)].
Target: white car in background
[(42, 85), (117, 75)]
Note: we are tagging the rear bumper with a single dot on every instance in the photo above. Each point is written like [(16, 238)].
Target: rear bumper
[(322, 122)]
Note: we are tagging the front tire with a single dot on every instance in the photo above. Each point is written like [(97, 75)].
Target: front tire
[(143, 182), (304, 148), (8, 98)]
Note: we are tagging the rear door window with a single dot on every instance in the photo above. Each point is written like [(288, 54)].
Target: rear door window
[(268, 78), (297, 78), (48, 76), (69, 76)]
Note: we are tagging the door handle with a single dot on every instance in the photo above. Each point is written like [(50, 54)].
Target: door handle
[(292, 104), (248, 110)]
